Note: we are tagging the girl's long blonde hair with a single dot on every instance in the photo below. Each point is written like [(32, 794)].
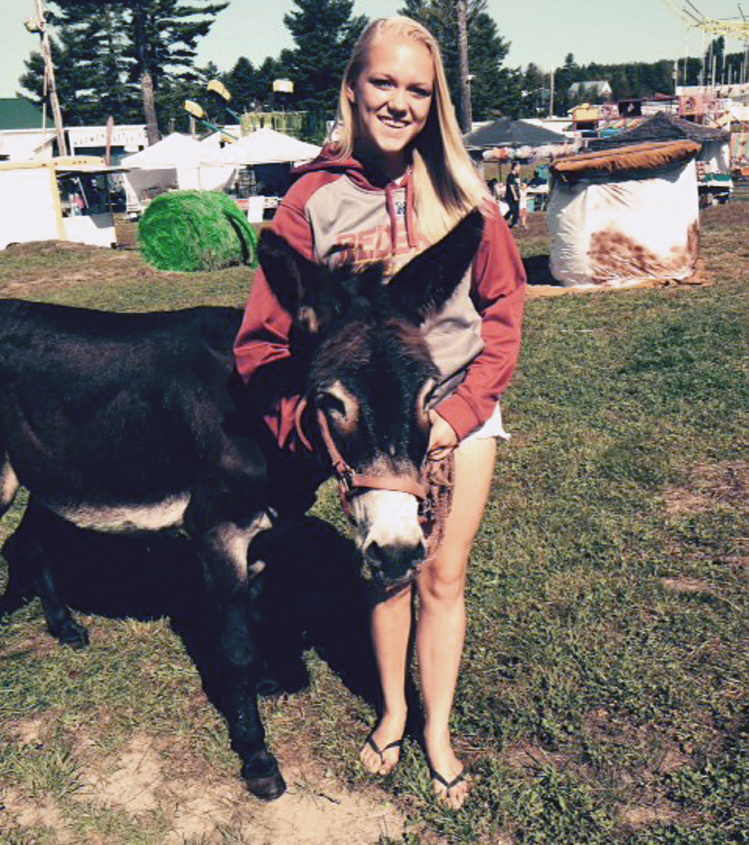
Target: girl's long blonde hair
[(446, 185)]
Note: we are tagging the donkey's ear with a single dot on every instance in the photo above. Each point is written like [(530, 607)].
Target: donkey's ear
[(430, 279), (294, 279)]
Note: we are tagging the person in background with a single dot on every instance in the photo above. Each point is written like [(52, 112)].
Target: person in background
[(512, 194), (396, 179), (523, 204)]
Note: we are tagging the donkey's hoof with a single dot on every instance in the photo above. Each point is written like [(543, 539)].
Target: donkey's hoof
[(72, 634), (263, 778)]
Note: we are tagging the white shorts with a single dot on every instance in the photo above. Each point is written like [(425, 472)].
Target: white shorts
[(493, 427)]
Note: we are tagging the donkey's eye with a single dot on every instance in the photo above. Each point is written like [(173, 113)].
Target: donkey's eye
[(331, 404)]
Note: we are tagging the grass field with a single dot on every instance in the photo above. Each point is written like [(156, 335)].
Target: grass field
[(604, 696)]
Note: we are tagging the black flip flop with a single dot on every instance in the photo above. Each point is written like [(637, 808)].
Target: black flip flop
[(397, 743), (435, 775)]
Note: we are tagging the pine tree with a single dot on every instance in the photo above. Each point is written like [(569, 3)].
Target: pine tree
[(89, 72), (243, 80), (494, 89), (104, 47), (324, 33)]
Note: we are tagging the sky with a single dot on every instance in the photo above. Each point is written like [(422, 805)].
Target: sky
[(539, 31)]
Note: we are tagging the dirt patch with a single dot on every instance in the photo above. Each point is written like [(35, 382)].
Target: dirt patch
[(723, 485), (141, 782), (638, 817), (687, 585), (132, 784), (32, 815), (526, 755), (35, 730)]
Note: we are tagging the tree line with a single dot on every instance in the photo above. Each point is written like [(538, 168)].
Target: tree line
[(104, 49)]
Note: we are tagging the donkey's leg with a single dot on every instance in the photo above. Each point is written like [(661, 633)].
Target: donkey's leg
[(31, 552), (233, 590), (225, 513)]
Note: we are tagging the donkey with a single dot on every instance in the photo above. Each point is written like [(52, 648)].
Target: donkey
[(138, 422)]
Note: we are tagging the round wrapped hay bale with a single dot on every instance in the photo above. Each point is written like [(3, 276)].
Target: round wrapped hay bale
[(196, 230)]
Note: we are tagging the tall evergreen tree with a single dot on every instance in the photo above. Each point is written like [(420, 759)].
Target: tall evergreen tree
[(87, 54), (324, 33), (105, 46), (535, 91), (243, 80), (494, 90)]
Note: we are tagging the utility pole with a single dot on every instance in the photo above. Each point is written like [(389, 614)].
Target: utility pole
[(466, 110), (40, 25), (551, 93), (146, 80), (149, 109)]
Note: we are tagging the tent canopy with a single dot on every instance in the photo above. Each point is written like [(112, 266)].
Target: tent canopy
[(511, 133), (173, 152), (176, 161), (266, 146)]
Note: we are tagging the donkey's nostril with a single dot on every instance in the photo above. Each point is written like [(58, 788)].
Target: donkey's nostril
[(374, 553), (394, 559)]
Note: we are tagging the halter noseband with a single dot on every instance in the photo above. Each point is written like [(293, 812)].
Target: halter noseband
[(350, 482)]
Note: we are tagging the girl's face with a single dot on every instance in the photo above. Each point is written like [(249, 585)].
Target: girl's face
[(391, 99)]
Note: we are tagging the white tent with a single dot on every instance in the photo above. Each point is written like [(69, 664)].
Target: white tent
[(266, 146), (175, 162), (623, 216)]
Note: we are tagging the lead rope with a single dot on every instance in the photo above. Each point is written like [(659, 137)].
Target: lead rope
[(439, 478)]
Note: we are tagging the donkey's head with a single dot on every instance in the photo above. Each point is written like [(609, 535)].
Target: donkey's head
[(370, 376)]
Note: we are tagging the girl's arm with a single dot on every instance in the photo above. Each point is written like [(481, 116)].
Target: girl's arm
[(498, 290)]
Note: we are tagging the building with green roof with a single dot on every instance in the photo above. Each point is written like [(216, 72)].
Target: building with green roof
[(24, 134), (17, 113)]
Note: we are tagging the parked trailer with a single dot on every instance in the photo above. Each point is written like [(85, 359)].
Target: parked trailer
[(65, 199)]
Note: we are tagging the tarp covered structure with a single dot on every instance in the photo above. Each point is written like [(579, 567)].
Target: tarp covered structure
[(619, 217), (176, 162)]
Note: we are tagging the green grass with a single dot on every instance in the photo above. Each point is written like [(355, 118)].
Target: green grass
[(604, 692)]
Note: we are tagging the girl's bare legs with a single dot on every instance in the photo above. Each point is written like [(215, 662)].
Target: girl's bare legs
[(442, 617), (391, 629), (441, 629)]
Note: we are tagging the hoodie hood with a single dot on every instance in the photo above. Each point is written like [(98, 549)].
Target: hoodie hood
[(361, 178), (329, 162)]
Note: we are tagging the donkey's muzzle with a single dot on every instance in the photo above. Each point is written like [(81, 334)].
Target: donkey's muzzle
[(394, 562)]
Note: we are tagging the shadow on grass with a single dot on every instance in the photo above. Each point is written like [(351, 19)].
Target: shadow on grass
[(537, 271), (312, 595)]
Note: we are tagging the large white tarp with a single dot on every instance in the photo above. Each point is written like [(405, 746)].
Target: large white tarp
[(176, 161), (625, 230)]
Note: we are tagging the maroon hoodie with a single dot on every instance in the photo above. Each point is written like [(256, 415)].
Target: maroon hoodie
[(474, 340)]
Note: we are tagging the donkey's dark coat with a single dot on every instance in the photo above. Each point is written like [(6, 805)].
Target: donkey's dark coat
[(138, 422)]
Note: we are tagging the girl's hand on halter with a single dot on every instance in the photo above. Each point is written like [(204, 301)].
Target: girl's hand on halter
[(442, 438)]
